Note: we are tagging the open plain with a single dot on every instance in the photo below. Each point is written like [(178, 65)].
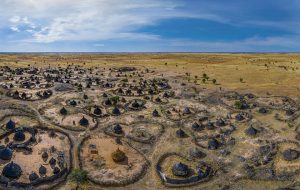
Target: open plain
[(149, 121)]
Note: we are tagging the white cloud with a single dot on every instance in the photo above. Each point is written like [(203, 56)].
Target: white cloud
[(15, 19), (15, 29), (84, 20), (17, 22), (97, 21)]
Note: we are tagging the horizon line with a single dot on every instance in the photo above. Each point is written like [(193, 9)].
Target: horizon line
[(152, 52)]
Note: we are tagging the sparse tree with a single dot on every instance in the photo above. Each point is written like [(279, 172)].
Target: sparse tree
[(214, 81), (79, 177), (290, 125), (115, 99), (238, 104)]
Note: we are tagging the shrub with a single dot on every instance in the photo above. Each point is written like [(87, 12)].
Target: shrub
[(79, 176), (118, 156), (115, 99), (238, 104), (290, 125), (214, 81)]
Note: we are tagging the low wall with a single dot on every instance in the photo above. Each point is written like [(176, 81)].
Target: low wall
[(180, 182), (5, 182)]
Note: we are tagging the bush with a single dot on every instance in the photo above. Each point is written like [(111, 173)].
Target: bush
[(238, 104), (214, 81), (79, 176), (115, 99), (118, 156), (290, 125)]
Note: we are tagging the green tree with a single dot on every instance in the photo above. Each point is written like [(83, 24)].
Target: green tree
[(78, 176), (115, 99), (238, 104), (214, 81)]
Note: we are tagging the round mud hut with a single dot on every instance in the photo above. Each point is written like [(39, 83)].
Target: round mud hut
[(12, 171), (180, 169)]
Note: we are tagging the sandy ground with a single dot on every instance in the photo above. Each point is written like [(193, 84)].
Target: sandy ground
[(101, 166), (32, 162)]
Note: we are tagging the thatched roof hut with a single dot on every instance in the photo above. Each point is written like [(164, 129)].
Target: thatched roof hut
[(33, 176), (180, 169), (19, 135), (12, 170), (118, 156), (10, 125), (83, 121), (6, 153)]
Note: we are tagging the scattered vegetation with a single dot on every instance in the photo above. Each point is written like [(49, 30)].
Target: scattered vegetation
[(214, 81), (78, 176), (115, 99), (238, 104)]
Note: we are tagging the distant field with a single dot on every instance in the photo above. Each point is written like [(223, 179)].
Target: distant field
[(277, 74)]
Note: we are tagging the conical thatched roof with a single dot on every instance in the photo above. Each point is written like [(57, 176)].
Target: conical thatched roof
[(180, 133), (84, 121), (251, 131), (155, 113), (180, 169), (12, 170), (6, 153), (42, 170), (116, 111), (63, 111), (33, 176), (56, 170), (19, 135), (10, 125), (118, 155), (97, 111), (118, 129), (213, 144)]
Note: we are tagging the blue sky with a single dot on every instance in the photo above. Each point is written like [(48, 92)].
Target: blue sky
[(149, 26)]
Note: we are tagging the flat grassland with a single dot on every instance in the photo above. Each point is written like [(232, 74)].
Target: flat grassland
[(276, 74), (260, 74)]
